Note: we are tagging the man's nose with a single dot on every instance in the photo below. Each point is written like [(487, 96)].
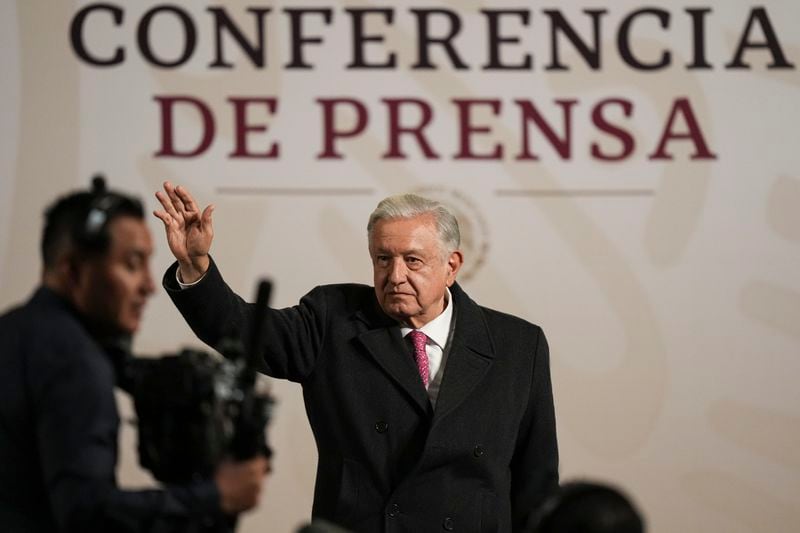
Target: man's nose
[(397, 271), (148, 287)]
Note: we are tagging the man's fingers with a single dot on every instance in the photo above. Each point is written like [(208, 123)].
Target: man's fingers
[(167, 204), (206, 218), (186, 199), (177, 203), (164, 217)]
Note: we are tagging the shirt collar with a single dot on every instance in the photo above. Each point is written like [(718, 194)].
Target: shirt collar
[(438, 329)]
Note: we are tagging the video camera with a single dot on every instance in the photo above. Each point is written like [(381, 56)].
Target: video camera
[(194, 409)]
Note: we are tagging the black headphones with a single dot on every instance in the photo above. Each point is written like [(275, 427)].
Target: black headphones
[(99, 209), (102, 208)]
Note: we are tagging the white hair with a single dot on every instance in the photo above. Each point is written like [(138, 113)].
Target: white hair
[(412, 205)]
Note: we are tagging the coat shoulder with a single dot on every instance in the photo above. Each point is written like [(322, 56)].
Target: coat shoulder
[(495, 320), (510, 333), (342, 297), (507, 320), (45, 321)]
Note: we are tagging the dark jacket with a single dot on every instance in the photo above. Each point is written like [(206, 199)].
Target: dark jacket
[(480, 462), (58, 435)]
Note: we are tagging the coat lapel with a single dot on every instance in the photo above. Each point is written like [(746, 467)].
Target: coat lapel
[(386, 346), (470, 357)]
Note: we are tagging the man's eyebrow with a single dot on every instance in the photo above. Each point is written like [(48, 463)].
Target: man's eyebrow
[(414, 251)]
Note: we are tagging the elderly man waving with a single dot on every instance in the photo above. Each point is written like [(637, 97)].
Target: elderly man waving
[(429, 411)]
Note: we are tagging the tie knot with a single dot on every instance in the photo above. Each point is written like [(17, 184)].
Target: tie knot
[(418, 339)]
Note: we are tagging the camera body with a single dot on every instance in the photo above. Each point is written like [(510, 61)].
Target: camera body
[(194, 410)]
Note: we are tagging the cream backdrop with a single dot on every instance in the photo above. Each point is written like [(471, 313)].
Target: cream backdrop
[(669, 290)]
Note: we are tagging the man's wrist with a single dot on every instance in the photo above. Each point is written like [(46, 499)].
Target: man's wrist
[(190, 272)]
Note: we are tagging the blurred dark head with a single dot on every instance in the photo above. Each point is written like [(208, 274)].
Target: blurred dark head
[(587, 507), (95, 252), (78, 222)]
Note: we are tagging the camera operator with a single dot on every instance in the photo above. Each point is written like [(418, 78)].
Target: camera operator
[(61, 354)]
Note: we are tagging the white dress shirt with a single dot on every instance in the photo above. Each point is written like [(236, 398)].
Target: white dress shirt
[(183, 285), (437, 331)]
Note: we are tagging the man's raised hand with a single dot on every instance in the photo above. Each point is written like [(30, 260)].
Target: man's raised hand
[(189, 232)]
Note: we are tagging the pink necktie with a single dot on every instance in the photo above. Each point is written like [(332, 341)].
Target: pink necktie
[(419, 339)]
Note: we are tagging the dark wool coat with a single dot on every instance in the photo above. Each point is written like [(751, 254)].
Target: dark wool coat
[(482, 461)]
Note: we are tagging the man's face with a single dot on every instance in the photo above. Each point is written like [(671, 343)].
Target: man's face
[(112, 289), (410, 271)]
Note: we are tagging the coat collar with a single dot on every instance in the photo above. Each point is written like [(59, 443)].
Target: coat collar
[(471, 354), (470, 347)]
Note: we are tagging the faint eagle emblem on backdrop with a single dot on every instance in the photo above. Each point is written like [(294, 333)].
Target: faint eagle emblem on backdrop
[(471, 222)]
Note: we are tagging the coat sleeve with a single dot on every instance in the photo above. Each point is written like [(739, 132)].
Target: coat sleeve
[(292, 337), (534, 467)]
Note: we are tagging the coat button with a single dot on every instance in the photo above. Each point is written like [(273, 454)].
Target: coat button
[(447, 524), (381, 427), (478, 451), (393, 510)]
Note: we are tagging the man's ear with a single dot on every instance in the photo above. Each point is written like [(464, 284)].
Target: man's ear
[(72, 269), (454, 262)]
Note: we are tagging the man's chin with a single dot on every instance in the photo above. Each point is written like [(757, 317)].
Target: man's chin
[(130, 327), (398, 312), (127, 324)]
